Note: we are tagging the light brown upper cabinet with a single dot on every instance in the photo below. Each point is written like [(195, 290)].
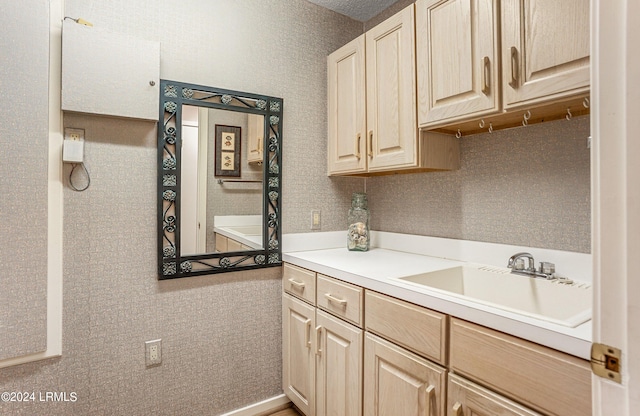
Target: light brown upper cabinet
[(372, 105), (457, 57), (255, 127), (347, 145), (478, 59), (545, 50), (392, 136)]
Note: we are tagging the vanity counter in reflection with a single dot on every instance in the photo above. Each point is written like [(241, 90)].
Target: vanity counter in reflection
[(237, 232)]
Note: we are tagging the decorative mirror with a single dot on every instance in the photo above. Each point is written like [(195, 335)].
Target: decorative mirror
[(219, 180)]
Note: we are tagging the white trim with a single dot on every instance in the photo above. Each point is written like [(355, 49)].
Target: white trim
[(55, 201), (266, 406), (615, 214), (203, 153)]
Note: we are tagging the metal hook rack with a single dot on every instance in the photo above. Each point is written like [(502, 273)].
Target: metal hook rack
[(569, 109)]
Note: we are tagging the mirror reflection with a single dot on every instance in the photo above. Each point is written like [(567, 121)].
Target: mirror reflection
[(221, 213)]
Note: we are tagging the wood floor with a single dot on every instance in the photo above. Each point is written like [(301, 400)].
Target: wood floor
[(286, 412)]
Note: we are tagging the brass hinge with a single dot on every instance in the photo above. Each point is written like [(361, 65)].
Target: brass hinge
[(605, 362)]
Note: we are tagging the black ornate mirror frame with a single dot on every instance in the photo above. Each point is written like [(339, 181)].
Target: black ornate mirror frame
[(173, 95)]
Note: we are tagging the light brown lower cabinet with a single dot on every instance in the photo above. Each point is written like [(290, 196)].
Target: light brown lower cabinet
[(298, 353), (224, 243), (338, 367), (321, 353), (400, 383), (539, 377), (334, 367), (469, 399)]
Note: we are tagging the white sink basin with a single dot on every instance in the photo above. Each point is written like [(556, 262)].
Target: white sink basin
[(549, 300)]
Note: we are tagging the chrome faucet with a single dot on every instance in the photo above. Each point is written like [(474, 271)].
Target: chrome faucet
[(516, 264)]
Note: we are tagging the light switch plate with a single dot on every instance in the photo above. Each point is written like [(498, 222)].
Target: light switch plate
[(316, 219)]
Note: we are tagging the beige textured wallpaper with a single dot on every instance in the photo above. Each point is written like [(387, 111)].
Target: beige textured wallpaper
[(221, 334), (525, 186), (23, 179)]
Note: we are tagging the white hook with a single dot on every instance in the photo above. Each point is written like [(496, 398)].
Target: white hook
[(569, 115), (490, 127), (586, 102), (525, 118), (458, 134), (481, 124)]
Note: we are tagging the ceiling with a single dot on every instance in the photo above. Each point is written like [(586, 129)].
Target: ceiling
[(361, 10)]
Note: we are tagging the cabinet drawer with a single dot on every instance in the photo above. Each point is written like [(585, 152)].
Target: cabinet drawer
[(539, 377), (299, 282), (341, 299), (414, 327)]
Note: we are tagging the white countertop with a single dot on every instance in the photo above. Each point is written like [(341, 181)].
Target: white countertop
[(236, 226), (379, 268), (249, 240)]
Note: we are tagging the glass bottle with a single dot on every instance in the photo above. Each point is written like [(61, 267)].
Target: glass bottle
[(358, 235)]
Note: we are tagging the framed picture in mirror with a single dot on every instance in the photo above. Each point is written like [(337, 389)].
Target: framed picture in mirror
[(228, 144)]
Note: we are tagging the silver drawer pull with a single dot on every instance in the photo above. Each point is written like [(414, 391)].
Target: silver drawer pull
[(334, 299), (297, 284)]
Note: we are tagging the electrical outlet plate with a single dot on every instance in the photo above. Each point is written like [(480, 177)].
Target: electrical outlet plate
[(73, 134), (73, 145), (153, 352)]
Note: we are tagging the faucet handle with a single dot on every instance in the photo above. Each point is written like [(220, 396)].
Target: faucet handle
[(518, 264), (547, 267)]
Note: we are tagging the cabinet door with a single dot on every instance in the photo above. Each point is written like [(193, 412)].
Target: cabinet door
[(109, 73), (255, 133), (392, 134), (469, 399), (457, 56), (545, 50), (221, 243), (347, 119), (338, 367), (233, 245), (298, 346), (540, 377), (398, 382)]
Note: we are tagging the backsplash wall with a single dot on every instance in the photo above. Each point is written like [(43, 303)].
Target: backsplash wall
[(525, 186)]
